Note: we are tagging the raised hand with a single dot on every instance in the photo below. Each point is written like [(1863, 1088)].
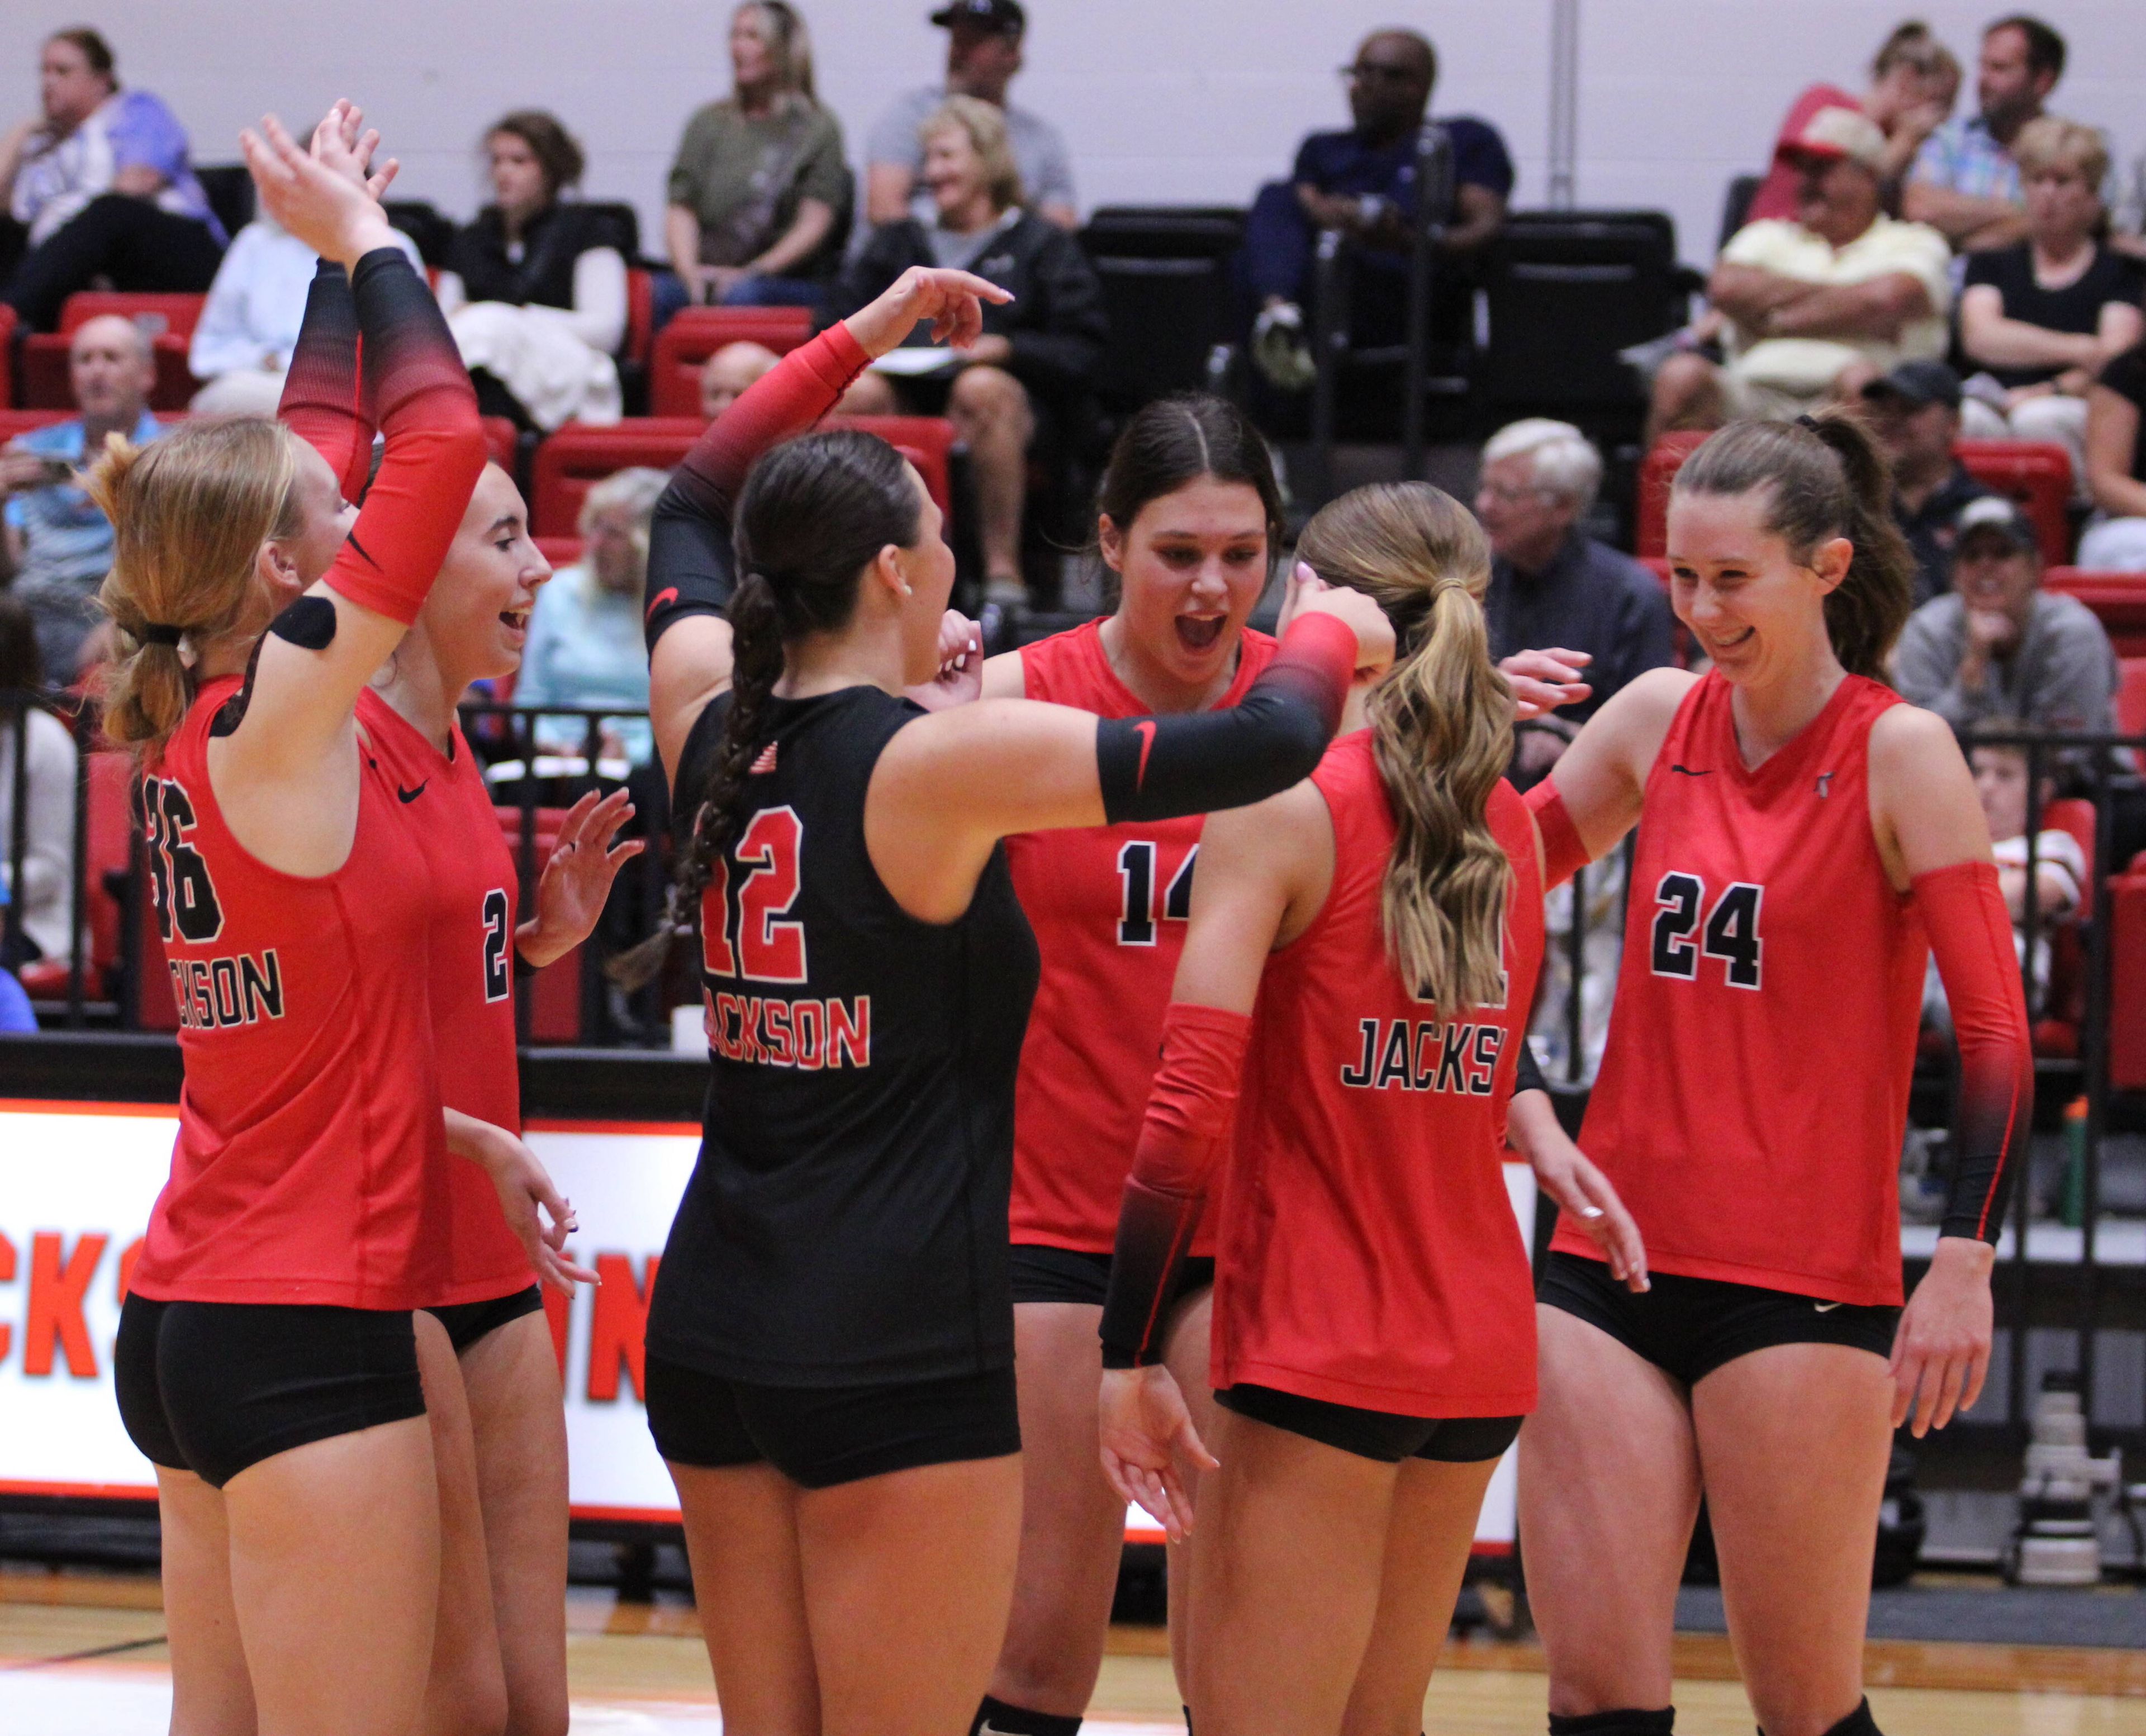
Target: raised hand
[(1542, 681), (344, 145), (960, 677), (1144, 1425), (952, 301), (338, 217), (1355, 610), (577, 877)]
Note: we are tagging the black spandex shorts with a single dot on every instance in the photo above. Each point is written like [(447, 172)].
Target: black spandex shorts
[(1689, 1327), (466, 1322), (820, 1436), (1043, 1274), (1379, 1434), (214, 1387)]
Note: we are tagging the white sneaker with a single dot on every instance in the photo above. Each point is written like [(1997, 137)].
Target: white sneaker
[(1279, 348)]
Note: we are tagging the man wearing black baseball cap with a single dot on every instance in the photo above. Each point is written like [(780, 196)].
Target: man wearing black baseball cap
[(2000, 645), (1915, 409), (983, 52)]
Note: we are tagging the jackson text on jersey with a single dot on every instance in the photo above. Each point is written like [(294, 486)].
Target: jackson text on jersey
[(760, 943)]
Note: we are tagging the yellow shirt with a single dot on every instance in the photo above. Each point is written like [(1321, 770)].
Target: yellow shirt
[(1808, 365)]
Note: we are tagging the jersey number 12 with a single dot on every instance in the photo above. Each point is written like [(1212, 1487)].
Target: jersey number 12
[(768, 949)]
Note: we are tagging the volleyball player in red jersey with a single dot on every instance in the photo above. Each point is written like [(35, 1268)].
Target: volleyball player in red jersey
[(491, 1380), (830, 1335), (267, 1360), (1806, 841), (1188, 516), (1373, 1343)]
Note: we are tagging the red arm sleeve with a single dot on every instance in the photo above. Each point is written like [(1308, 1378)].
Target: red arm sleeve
[(691, 567), (321, 399), (1190, 1109), (1971, 936), (428, 410), (1564, 854)]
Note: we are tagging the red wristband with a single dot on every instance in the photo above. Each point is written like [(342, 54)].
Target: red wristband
[(1564, 853)]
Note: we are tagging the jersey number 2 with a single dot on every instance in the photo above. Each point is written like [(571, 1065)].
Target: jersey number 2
[(1136, 871), (498, 979), (185, 895), (768, 950), (1731, 934)]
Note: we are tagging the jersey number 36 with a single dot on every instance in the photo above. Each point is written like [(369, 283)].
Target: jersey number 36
[(1731, 933), (184, 895)]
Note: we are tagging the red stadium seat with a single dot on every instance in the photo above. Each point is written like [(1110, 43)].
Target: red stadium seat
[(503, 442), (639, 317), (110, 857), (696, 333), (2131, 698), (559, 550), (579, 456), (2117, 600), (2036, 475), (170, 320)]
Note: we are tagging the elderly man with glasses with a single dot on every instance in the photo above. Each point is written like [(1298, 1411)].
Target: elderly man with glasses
[(1362, 183), (1551, 584)]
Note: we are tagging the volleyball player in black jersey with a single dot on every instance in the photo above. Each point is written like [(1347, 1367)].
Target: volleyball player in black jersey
[(830, 1338)]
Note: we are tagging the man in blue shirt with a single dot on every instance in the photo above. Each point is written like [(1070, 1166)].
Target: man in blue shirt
[(1965, 182), (56, 546), (1362, 183)]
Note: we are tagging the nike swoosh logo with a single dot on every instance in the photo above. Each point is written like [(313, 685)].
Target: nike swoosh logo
[(1825, 1307), (1687, 770), (1146, 731), (411, 795), (352, 541), (669, 594)]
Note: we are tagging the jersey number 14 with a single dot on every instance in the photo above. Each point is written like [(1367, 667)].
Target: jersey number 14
[(1731, 933), (1136, 921)]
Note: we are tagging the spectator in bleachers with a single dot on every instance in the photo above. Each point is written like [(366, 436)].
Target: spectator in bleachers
[(984, 40), (1965, 182), (1553, 584), (1914, 80), (46, 889), (1998, 645), (2043, 318), (248, 326), (2115, 541), (760, 192), (57, 546), (1362, 183), (585, 639), (1843, 290), (535, 287), (1038, 353), (99, 186), (1915, 409), (729, 372)]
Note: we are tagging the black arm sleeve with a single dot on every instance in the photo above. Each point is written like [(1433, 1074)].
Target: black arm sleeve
[(1158, 768), (1527, 1071)]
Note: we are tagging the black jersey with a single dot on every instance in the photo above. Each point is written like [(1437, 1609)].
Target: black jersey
[(846, 1222)]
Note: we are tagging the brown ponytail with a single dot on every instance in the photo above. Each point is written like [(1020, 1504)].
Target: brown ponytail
[(815, 511), (1826, 477), (189, 513), (1441, 729)]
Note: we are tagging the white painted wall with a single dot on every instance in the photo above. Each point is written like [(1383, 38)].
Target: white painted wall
[(1164, 100)]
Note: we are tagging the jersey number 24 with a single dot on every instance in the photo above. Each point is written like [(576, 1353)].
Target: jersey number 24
[(1731, 933)]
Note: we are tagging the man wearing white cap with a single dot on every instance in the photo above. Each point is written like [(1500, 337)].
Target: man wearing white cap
[(1843, 287)]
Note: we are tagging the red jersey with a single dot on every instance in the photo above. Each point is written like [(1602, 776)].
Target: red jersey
[(310, 1163), (1368, 1251), (1109, 904), (473, 885), (1754, 1087)]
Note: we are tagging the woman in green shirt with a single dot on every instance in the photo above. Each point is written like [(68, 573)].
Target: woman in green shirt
[(759, 193)]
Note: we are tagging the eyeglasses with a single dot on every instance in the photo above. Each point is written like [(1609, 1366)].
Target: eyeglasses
[(1507, 495), (1372, 73)]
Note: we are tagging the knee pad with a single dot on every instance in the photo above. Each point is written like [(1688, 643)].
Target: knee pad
[(996, 1717), (1626, 1722)]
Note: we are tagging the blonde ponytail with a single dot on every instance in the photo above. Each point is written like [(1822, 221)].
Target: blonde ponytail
[(1442, 730), (189, 513)]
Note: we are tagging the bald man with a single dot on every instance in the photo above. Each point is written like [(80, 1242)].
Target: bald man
[(1362, 183), (57, 546)]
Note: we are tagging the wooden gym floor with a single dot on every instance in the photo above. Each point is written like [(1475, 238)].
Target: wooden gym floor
[(84, 1653)]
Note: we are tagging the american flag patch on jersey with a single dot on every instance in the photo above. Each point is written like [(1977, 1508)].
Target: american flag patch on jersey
[(765, 763)]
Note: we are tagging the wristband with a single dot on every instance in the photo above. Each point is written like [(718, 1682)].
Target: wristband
[(1564, 852)]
